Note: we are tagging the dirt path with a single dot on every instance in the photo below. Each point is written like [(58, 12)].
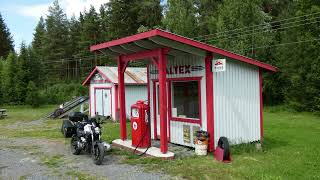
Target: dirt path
[(51, 159)]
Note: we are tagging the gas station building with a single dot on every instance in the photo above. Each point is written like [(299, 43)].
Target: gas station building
[(192, 86)]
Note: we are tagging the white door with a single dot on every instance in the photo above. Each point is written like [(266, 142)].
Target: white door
[(107, 102), (103, 102), (157, 110)]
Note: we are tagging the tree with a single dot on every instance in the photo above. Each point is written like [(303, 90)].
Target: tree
[(301, 61), (180, 17), (56, 41), (6, 42), (241, 30), (206, 9), (90, 31), (22, 74), (38, 39), (149, 13), (9, 72), (1, 79), (122, 19), (33, 97)]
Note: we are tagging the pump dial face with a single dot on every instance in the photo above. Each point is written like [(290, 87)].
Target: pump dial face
[(135, 112)]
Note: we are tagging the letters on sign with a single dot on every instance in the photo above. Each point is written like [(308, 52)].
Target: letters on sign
[(183, 69), (219, 65)]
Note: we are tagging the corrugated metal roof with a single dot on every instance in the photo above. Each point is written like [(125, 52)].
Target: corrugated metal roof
[(132, 75), (178, 45)]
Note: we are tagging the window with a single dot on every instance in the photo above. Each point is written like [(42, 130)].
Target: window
[(185, 99)]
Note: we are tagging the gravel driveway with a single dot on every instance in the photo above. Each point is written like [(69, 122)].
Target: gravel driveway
[(28, 158)]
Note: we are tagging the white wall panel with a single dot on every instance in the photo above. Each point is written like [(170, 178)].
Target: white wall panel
[(133, 94), (237, 103), (176, 133)]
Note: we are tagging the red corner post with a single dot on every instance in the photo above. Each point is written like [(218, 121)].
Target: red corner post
[(209, 95), (162, 61), (261, 103), (122, 99)]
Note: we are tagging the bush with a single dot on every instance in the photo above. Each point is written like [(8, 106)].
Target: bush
[(33, 97), (60, 93)]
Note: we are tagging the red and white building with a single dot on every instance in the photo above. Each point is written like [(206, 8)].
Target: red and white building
[(192, 86), (103, 89)]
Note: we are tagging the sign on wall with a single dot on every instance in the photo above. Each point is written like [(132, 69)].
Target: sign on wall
[(219, 65), (182, 69)]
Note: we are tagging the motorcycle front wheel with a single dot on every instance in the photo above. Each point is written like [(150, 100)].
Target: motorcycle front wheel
[(74, 145), (98, 154)]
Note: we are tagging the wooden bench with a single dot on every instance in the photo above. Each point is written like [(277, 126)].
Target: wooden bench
[(3, 113)]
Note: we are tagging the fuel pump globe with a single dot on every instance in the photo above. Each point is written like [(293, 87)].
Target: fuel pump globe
[(140, 128)]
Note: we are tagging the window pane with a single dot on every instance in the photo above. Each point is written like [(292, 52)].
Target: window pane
[(185, 99)]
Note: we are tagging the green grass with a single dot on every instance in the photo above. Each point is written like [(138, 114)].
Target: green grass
[(52, 161), (291, 148)]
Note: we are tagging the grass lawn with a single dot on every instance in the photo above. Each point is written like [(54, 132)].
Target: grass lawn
[(291, 148)]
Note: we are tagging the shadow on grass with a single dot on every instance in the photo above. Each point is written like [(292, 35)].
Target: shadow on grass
[(267, 145)]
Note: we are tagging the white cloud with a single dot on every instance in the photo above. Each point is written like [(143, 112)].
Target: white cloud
[(33, 10), (76, 6), (70, 7)]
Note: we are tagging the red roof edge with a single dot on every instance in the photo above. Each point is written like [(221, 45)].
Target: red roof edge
[(200, 45), (85, 82), (124, 40)]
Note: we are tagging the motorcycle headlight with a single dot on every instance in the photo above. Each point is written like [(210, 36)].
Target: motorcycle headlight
[(97, 130)]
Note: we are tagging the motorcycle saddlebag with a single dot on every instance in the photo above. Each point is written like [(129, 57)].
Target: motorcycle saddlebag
[(77, 116), (68, 128)]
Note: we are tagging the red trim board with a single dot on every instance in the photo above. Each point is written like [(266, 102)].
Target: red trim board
[(261, 103), (209, 101)]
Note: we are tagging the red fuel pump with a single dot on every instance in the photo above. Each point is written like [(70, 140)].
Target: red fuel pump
[(140, 128)]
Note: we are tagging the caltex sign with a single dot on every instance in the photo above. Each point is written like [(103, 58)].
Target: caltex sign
[(219, 65)]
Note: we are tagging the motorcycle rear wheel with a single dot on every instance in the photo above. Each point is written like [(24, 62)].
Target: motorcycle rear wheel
[(98, 154)]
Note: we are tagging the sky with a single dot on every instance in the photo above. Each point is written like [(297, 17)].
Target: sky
[(22, 16)]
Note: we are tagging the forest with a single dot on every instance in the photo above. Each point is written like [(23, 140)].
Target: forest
[(282, 33)]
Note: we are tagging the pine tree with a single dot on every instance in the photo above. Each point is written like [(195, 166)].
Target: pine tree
[(6, 42), (56, 41), (22, 74), (38, 39), (90, 31), (180, 17), (75, 40), (149, 13), (122, 19)]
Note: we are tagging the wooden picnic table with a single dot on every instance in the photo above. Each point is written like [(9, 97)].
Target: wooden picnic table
[(3, 113)]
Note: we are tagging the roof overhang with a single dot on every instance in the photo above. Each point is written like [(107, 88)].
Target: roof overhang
[(178, 45)]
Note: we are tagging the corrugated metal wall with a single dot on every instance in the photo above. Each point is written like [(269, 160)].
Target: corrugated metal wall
[(197, 70), (133, 94), (236, 103)]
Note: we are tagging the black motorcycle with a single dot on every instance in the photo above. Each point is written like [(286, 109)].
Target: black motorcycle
[(88, 138)]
